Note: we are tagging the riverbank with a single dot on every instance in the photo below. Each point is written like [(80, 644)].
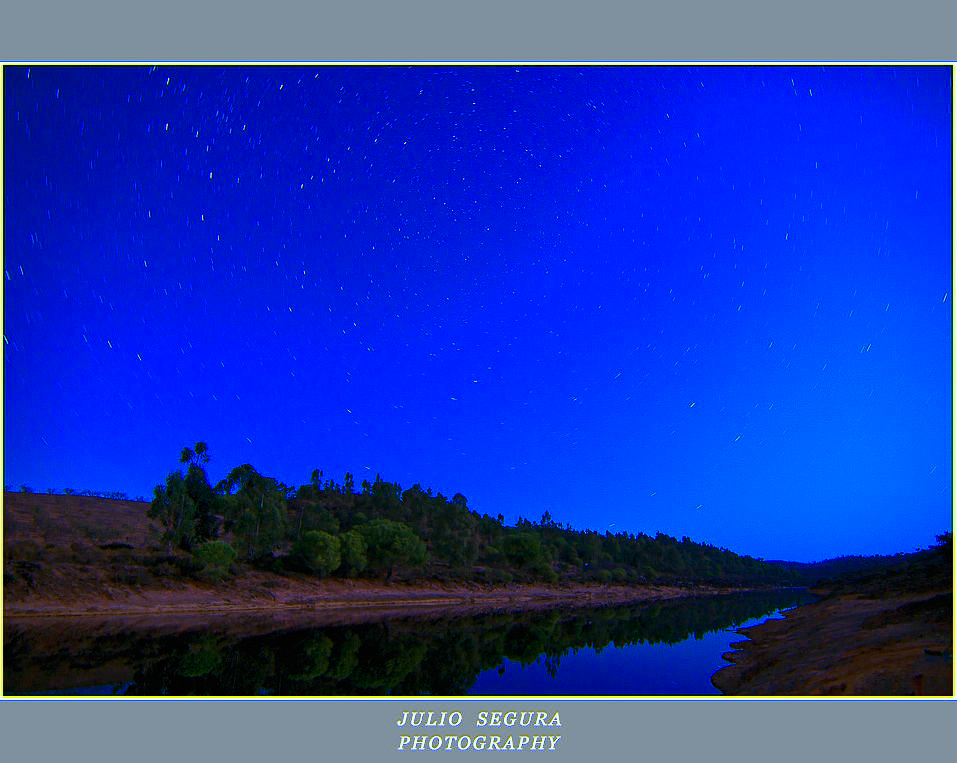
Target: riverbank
[(850, 644), (72, 591)]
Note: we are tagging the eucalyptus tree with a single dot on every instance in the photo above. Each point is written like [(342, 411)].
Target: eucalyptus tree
[(200, 491), (173, 508), (255, 509)]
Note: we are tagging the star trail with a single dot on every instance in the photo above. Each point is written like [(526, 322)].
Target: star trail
[(710, 301)]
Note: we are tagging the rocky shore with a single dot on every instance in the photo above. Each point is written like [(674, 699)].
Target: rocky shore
[(854, 644)]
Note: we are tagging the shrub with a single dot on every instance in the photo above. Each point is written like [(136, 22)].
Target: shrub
[(547, 574), (215, 556)]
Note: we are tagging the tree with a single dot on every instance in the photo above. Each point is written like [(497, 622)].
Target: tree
[(319, 551), (390, 544), (386, 496), (185, 506), (255, 508), (352, 548), (198, 455), (175, 511), (452, 533), (208, 506)]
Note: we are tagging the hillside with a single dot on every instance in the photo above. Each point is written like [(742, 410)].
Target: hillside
[(87, 555), (248, 520), (62, 520)]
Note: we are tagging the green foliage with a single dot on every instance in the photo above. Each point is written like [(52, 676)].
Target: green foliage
[(389, 544), (319, 551), (197, 455), (346, 659), (186, 505), (173, 508), (522, 549), (255, 509), (393, 660), (496, 577), (383, 529), (216, 558), (206, 502), (202, 658), (310, 515), (312, 658), (352, 547), (546, 573)]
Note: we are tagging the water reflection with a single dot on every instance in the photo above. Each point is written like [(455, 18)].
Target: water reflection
[(568, 651)]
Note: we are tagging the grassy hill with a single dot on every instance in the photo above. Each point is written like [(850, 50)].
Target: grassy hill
[(63, 520)]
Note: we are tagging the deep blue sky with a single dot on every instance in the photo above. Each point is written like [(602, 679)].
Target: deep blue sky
[(710, 301)]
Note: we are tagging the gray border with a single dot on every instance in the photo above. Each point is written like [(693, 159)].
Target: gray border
[(654, 730), (493, 30), (468, 30)]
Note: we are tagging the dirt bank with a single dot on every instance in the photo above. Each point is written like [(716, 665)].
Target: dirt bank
[(72, 591), (848, 644)]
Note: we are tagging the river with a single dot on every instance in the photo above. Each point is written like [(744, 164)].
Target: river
[(664, 648)]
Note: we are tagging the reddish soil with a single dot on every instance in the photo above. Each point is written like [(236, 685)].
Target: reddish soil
[(72, 590), (848, 645), (62, 520)]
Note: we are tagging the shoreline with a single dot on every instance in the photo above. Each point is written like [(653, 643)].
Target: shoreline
[(256, 593), (847, 645)]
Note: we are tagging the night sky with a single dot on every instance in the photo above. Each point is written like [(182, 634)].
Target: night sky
[(708, 301)]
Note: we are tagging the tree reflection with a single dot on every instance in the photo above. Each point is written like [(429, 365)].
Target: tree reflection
[(405, 656)]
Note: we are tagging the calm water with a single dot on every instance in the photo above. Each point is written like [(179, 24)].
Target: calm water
[(666, 648)]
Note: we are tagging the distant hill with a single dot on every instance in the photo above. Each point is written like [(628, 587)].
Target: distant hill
[(812, 573), (927, 569)]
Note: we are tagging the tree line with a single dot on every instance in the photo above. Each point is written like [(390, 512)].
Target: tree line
[(377, 529)]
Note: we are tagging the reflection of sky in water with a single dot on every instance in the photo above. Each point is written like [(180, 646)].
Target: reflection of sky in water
[(109, 689), (683, 668), (414, 657)]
